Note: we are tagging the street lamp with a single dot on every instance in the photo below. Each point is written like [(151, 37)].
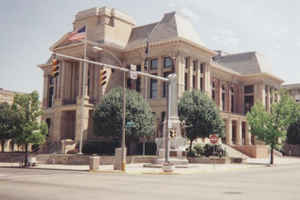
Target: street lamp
[(123, 154)]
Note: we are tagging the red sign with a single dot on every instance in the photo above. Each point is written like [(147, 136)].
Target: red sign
[(213, 138)]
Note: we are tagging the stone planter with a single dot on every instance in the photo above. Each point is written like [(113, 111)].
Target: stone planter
[(210, 160)]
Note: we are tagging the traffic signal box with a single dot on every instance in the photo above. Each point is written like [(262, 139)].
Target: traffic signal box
[(172, 133), (103, 77), (55, 68)]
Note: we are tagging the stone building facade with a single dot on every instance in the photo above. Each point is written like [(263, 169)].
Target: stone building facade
[(234, 81), (293, 90)]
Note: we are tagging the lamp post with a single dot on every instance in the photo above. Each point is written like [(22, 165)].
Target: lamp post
[(123, 143)]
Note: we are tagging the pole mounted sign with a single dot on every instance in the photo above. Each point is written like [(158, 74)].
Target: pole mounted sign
[(213, 138), (133, 74)]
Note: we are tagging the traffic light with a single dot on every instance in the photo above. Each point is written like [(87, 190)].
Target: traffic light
[(55, 68), (172, 133), (103, 77)]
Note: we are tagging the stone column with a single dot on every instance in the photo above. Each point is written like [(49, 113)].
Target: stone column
[(159, 73), (228, 131), (248, 134), (190, 75), (80, 79), (206, 79), (219, 94), (45, 90), (56, 128), (7, 145), (229, 98), (62, 79), (198, 77), (238, 132), (268, 98), (179, 67)]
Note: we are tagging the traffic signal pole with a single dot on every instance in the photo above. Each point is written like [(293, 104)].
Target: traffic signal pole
[(124, 70)]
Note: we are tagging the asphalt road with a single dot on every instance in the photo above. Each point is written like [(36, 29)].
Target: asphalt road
[(280, 182)]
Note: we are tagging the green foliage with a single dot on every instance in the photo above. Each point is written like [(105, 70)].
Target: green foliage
[(28, 128), (8, 121), (200, 114), (101, 148), (200, 150), (293, 132), (108, 116), (271, 127)]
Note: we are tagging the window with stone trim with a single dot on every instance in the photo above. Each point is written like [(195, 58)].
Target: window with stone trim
[(154, 64), (195, 64), (138, 84), (213, 90), (50, 91), (223, 97), (185, 81), (232, 99), (168, 63), (153, 88), (165, 90)]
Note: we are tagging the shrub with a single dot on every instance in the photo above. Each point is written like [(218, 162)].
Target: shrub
[(207, 150), (101, 148)]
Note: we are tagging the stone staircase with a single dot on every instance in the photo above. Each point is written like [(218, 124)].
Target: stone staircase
[(233, 153)]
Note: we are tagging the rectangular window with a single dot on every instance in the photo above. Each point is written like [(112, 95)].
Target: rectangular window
[(201, 83), (168, 62), (195, 63), (50, 92), (186, 62), (153, 88), (138, 84), (138, 68), (129, 83), (163, 115), (249, 89), (166, 74), (249, 102), (185, 81), (194, 81), (202, 68), (154, 64)]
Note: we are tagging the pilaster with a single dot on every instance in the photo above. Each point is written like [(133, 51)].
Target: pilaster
[(228, 126), (248, 134), (238, 132)]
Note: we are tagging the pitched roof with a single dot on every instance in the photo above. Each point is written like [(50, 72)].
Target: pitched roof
[(245, 63), (172, 26)]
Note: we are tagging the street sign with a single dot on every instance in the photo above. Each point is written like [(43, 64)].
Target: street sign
[(130, 124), (133, 74), (213, 138)]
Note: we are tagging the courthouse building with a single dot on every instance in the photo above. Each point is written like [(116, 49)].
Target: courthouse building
[(234, 81), (293, 90)]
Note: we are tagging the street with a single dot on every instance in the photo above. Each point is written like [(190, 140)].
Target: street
[(280, 182)]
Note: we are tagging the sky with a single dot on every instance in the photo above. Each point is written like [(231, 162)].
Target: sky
[(270, 27)]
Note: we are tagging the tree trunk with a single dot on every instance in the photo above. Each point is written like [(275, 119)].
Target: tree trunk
[(2, 145), (191, 145), (26, 156), (272, 155)]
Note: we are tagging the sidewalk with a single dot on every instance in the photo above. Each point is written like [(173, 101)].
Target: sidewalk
[(191, 169)]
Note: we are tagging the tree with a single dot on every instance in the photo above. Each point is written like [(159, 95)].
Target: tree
[(271, 127), (201, 116), (8, 121), (293, 132), (29, 129), (108, 116)]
